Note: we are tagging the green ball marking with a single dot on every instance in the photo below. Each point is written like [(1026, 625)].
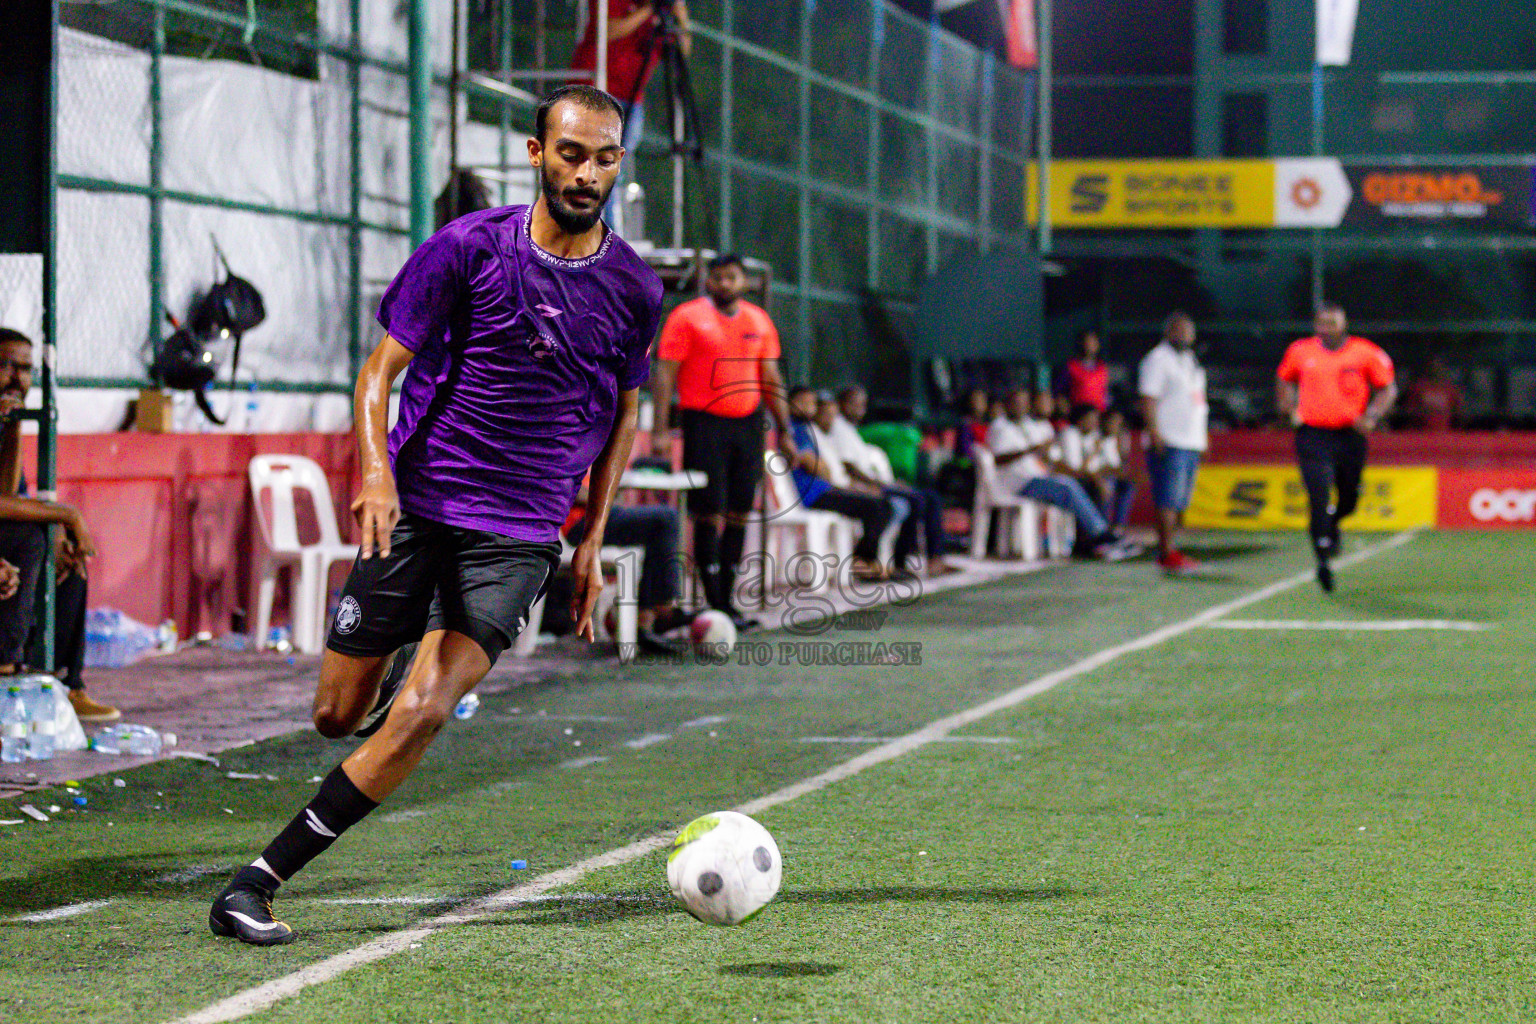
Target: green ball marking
[(691, 831)]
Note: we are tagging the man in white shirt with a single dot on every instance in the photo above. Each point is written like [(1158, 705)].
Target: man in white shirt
[(864, 463), (1172, 387), (1022, 449)]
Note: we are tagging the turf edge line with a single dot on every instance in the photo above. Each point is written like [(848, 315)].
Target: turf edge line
[(260, 997)]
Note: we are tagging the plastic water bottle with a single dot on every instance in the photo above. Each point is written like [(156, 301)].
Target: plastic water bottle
[(467, 707), (252, 409), (13, 727), (43, 727), (113, 640), (131, 740)]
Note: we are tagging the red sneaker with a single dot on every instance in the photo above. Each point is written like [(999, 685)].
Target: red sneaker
[(1177, 563)]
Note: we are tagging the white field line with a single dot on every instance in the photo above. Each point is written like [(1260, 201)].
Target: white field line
[(61, 912), (650, 739), (1355, 625), (888, 739), (252, 1000)]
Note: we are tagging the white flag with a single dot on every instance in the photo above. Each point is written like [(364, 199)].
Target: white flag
[(1335, 30)]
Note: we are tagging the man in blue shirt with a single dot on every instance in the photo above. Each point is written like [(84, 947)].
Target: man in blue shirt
[(824, 487)]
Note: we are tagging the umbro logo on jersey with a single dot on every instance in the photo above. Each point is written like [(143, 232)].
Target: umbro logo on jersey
[(549, 311)]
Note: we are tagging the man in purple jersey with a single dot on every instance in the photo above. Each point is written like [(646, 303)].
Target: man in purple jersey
[(524, 333)]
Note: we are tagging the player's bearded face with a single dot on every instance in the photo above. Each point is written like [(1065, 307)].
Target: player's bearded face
[(562, 199)]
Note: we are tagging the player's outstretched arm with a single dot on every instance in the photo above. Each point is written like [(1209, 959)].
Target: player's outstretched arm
[(377, 505), (586, 567)]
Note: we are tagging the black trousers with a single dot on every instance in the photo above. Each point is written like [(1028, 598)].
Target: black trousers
[(21, 638), (653, 527), (875, 515), (1332, 461)]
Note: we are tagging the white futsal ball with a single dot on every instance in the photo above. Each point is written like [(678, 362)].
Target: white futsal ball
[(724, 868), (713, 635)]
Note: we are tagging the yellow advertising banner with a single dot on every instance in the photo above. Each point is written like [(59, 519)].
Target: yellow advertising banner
[(1157, 193), (1240, 497)]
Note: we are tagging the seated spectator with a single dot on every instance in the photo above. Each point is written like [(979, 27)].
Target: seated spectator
[(1109, 463), (1078, 443), (927, 506), (1084, 379), (975, 418), (24, 529), (957, 477), (656, 528), (824, 485), (1022, 448), (1433, 401)]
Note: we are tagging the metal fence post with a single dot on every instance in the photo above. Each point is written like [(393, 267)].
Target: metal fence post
[(156, 181), (421, 122), (872, 166), (804, 175), (727, 124), (355, 196)]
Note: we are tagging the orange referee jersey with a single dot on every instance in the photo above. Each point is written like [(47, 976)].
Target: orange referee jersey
[(1334, 386), (719, 357)]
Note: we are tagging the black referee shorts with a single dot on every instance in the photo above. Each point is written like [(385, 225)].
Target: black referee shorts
[(730, 450), (441, 577)]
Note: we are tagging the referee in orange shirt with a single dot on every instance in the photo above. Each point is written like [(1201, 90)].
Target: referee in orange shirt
[(721, 353), (1334, 389)]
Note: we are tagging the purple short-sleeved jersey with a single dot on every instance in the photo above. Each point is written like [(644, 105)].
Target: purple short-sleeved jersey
[(519, 359)]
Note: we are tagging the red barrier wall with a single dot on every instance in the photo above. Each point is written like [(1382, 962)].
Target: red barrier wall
[(172, 516), (1407, 448)]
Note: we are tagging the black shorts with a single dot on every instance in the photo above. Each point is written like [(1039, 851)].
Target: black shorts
[(441, 577), (730, 450)]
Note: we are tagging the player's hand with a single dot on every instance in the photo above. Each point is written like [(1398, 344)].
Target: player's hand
[(11, 403), (1364, 425), (680, 12), (587, 584), (1158, 444), (377, 509), (10, 580)]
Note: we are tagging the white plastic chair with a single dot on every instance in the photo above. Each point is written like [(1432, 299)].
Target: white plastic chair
[(1019, 516), (309, 565), (623, 598), (793, 528)]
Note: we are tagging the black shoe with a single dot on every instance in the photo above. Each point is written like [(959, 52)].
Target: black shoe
[(1325, 577), (742, 623), (651, 643), (672, 618), (244, 911), (388, 687)]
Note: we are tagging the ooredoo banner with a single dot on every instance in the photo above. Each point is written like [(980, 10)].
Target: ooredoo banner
[(1488, 499)]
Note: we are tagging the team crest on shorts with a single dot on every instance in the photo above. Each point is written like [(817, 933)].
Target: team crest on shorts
[(348, 615)]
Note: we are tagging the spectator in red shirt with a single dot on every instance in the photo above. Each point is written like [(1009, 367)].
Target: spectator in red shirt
[(1084, 380), (1434, 401), (631, 26)]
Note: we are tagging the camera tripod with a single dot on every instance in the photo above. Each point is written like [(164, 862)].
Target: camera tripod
[(682, 109)]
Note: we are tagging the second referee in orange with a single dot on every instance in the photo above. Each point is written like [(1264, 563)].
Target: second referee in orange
[(1334, 389)]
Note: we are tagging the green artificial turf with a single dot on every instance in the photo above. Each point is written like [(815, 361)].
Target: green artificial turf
[(1233, 826)]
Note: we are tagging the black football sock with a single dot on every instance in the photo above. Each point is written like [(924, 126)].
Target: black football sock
[(733, 541), (337, 807), (706, 548)]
